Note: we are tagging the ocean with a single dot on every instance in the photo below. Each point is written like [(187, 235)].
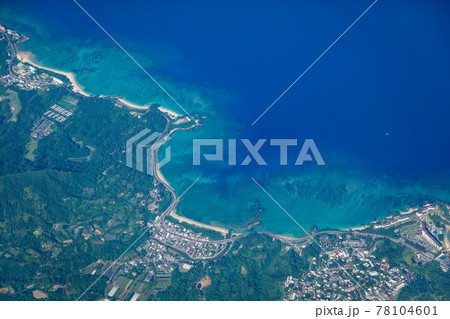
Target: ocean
[(377, 104)]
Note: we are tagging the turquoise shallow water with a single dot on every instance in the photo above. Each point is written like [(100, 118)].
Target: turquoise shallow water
[(229, 60)]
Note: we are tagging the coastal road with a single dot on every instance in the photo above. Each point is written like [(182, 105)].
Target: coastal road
[(340, 232), (374, 236), (175, 199), (13, 53)]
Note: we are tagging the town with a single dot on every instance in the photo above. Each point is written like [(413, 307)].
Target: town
[(351, 267), (353, 264)]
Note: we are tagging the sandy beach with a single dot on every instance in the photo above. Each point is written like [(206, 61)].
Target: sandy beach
[(409, 211), (360, 227), (26, 57), (133, 105), (161, 176), (173, 115), (221, 230)]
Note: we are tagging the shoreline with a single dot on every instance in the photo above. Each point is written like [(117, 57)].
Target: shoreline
[(180, 218), (161, 176), (132, 105), (173, 115), (26, 57), (348, 229)]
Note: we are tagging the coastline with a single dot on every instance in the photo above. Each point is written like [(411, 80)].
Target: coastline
[(362, 227), (349, 229), (173, 115), (221, 230), (27, 57), (132, 105), (161, 176)]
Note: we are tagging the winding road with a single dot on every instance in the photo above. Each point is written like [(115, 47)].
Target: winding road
[(175, 199)]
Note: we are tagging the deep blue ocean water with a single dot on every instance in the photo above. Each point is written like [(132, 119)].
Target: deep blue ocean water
[(377, 104)]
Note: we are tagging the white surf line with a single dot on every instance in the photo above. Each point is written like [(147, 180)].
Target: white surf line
[(309, 235), (312, 64), (134, 60), (126, 250)]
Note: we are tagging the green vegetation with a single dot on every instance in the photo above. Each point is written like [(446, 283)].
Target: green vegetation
[(5, 110), (3, 57), (438, 221), (31, 147), (266, 264), (393, 253), (61, 196), (431, 284), (14, 104), (382, 231), (45, 200), (444, 209)]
